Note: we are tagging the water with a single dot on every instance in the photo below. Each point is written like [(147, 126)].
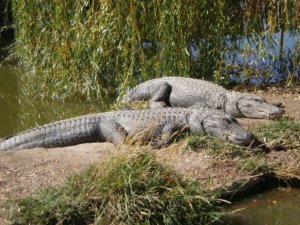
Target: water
[(262, 53), (276, 207), (9, 109), (262, 56), (19, 112)]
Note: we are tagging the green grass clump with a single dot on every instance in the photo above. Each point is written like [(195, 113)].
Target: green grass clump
[(216, 147), (281, 134), (133, 189), (254, 164)]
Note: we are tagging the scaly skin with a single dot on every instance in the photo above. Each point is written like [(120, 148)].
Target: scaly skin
[(195, 93), (114, 126)]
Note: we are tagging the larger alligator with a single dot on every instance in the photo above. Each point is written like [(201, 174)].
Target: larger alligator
[(114, 126), (195, 93)]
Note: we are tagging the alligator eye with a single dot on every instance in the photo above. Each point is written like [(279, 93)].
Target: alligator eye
[(258, 100)]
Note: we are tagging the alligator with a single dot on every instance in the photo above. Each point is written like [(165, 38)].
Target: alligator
[(117, 125), (195, 93)]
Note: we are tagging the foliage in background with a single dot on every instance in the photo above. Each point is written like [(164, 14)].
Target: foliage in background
[(92, 48), (129, 189)]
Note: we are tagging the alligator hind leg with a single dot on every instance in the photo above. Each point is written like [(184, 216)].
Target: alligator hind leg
[(161, 98), (111, 131)]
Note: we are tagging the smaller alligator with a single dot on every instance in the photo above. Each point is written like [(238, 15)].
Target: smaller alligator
[(115, 126), (195, 93)]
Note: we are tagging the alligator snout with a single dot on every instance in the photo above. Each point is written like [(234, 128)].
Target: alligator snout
[(241, 138)]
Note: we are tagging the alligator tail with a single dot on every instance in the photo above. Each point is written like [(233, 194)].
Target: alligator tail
[(58, 134)]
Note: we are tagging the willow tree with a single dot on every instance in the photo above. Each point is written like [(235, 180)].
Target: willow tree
[(89, 48)]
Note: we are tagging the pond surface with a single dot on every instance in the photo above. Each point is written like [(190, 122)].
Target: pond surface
[(276, 207), (277, 62), (18, 112)]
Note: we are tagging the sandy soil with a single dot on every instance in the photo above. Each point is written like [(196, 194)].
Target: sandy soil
[(24, 172)]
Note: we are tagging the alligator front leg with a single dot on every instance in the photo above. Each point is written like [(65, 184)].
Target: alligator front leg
[(111, 131), (168, 134), (161, 97)]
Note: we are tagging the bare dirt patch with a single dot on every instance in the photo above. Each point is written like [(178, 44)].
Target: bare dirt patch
[(22, 172)]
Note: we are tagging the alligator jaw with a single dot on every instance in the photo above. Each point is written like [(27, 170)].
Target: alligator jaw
[(269, 115), (257, 108)]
